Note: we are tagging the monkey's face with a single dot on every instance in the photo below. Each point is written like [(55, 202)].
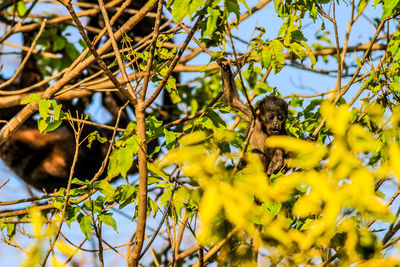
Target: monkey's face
[(271, 114), (273, 122)]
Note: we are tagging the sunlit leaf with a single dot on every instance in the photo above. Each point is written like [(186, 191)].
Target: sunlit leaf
[(108, 220), (85, 223)]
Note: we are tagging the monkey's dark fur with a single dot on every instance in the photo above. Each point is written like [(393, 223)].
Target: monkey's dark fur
[(269, 117), (44, 160)]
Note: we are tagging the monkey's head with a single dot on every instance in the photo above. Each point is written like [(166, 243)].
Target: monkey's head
[(272, 112)]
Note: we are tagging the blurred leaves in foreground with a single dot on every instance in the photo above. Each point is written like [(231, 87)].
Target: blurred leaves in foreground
[(324, 207)]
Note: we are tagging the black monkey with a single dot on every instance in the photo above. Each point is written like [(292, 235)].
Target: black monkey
[(269, 118), (44, 161)]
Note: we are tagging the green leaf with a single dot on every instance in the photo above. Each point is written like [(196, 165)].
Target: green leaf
[(125, 161), (195, 5), (52, 126), (175, 96), (98, 204), (358, 61), (312, 59), (44, 108), (266, 57), (109, 220), (179, 199), (180, 9), (396, 86), (273, 208), (165, 197), (376, 2), (112, 168), (95, 136), (171, 83), (245, 4), (156, 171), (215, 118), (85, 223), (298, 36), (153, 206), (232, 6), (56, 110), (21, 8), (71, 213), (388, 7), (58, 203), (106, 189), (279, 58), (77, 191), (59, 43), (11, 230), (297, 49), (216, 55), (71, 52), (133, 144), (153, 180), (152, 122), (42, 124), (31, 98), (211, 25), (170, 138), (77, 181), (361, 5)]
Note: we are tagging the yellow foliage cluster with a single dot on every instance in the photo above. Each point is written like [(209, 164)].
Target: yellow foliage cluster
[(319, 212), (42, 234)]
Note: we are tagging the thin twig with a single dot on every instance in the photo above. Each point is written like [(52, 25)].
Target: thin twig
[(78, 133), (129, 95), (74, 71), (155, 260), (180, 235), (160, 224), (21, 66), (18, 25), (217, 247), (115, 47), (347, 87), (173, 64)]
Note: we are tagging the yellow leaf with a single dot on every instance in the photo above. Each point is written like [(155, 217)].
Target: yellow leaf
[(210, 206), (65, 249), (37, 222), (56, 262), (193, 138), (302, 150), (307, 205), (337, 119), (394, 159), (361, 140)]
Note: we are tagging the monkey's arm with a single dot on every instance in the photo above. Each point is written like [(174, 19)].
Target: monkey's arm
[(277, 162), (230, 91)]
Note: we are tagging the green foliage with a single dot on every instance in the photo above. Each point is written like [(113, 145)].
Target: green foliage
[(121, 158), (389, 7), (21, 8), (50, 112), (270, 53), (57, 41), (95, 136), (85, 222)]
